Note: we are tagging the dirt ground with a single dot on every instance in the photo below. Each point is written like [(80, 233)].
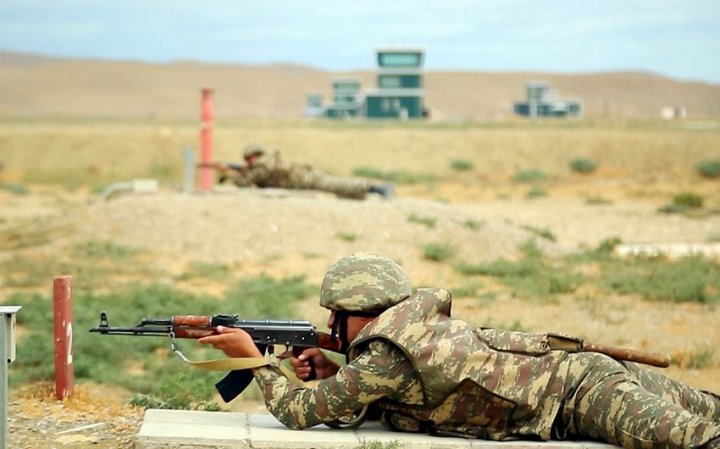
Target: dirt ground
[(288, 233)]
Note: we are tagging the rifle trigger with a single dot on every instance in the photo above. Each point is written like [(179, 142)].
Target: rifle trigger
[(173, 346)]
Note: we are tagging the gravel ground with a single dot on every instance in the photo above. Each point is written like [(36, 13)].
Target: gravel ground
[(96, 417)]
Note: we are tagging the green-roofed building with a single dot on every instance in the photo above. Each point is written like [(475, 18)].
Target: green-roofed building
[(399, 93)]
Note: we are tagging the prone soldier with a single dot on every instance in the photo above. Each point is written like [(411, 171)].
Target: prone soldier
[(264, 170), (429, 372)]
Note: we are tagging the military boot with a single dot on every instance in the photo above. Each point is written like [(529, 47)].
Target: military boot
[(386, 191)]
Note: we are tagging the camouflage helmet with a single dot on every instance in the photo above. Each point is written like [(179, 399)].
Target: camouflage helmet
[(364, 282), (253, 149)]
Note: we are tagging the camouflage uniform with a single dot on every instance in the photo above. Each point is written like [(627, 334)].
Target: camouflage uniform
[(429, 372), (270, 171)]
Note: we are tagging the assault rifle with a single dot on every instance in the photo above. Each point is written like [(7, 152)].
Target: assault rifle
[(295, 335), (224, 168)]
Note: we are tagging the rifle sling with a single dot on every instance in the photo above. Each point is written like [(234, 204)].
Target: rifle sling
[(235, 364)]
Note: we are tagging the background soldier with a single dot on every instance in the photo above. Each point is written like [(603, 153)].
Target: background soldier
[(429, 372), (264, 170)]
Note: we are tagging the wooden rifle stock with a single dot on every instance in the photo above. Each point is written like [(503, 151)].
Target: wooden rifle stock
[(630, 355)]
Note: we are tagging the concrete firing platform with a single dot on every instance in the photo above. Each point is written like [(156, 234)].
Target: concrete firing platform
[(180, 429)]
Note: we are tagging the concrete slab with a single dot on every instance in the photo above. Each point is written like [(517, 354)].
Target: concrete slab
[(180, 429)]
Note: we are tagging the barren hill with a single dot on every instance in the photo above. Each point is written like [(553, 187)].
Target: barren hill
[(32, 85)]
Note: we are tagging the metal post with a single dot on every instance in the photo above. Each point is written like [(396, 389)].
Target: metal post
[(206, 173), (3, 385), (64, 368), (189, 172), (7, 356)]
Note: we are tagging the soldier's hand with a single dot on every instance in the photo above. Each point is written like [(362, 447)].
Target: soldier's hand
[(313, 361), (233, 342)]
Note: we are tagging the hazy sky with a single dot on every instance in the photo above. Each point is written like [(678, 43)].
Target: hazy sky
[(677, 38)]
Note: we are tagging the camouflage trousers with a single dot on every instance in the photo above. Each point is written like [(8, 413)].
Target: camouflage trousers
[(312, 179), (634, 407)]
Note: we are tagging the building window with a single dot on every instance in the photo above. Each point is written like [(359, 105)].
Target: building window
[(390, 81), (399, 59), (385, 104)]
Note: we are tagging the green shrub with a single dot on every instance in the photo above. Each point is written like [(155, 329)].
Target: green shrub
[(683, 202), (536, 192), (473, 224), (709, 169), (462, 165), (528, 176), (583, 165), (439, 252), (15, 188), (347, 236), (689, 200), (430, 222), (597, 201)]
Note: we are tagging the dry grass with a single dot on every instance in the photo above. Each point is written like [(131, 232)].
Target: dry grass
[(641, 166), (78, 152)]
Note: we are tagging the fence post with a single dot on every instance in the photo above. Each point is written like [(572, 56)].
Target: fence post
[(206, 143), (62, 301), (7, 356)]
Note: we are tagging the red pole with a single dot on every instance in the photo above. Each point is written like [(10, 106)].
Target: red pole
[(206, 173), (62, 300)]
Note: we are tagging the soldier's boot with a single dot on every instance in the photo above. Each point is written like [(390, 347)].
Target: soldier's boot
[(387, 191)]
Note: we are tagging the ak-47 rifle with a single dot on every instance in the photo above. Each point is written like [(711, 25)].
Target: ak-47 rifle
[(295, 335), (224, 168)]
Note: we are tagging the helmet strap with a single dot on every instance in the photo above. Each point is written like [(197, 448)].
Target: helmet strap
[(340, 326), (339, 329)]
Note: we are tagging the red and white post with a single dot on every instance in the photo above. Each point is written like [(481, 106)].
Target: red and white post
[(64, 368), (206, 142)]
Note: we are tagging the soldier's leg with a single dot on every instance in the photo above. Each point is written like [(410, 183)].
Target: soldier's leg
[(698, 402), (344, 187), (609, 404)]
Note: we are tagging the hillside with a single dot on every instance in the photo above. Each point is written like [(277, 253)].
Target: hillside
[(32, 86)]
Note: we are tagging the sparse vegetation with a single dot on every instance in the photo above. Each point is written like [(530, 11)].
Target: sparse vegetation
[(597, 201), (207, 271), (439, 251), (529, 176), (158, 376), (709, 169), (347, 236), (473, 224), (133, 280), (398, 177), (536, 192), (530, 277), (16, 188), (683, 202), (462, 165), (690, 279), (541, 232), (374, 444), (583, 165), (428, 221)]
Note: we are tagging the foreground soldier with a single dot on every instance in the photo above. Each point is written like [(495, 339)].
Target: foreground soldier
[(268, 170), (428, 372)]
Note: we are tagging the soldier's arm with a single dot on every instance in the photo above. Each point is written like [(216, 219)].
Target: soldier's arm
[(379, 371)]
